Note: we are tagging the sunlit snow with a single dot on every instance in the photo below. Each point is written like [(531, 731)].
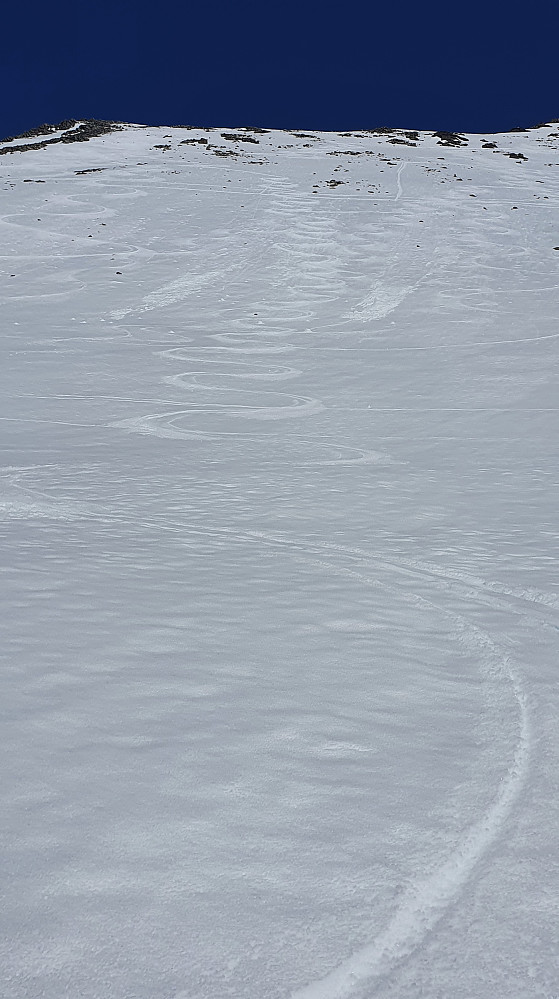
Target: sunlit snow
[(280, 618)]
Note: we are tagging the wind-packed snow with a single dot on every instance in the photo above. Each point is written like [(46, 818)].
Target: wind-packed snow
[(279, 519)]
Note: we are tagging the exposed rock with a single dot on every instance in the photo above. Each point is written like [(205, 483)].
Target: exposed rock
[(237, 137), (87, 130), (450, 139)]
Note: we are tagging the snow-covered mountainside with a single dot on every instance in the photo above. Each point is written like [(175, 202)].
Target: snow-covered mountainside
[(279, 520)]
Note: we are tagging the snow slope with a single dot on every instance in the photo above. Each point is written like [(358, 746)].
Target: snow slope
[(280, 617)]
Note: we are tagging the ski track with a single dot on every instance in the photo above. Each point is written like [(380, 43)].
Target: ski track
[(426, 900), (425, 903), (400, 189)]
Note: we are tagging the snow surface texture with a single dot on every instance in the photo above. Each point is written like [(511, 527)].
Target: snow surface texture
[(279, 521)]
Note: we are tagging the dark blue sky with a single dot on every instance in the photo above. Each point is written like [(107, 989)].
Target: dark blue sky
[(455, 66)]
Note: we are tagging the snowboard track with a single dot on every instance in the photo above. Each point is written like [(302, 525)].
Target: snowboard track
[(431, 894)]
